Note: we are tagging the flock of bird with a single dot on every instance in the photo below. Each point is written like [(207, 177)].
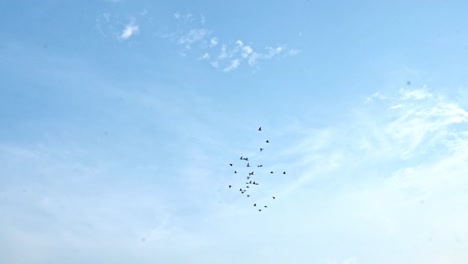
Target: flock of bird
[(250, 181)]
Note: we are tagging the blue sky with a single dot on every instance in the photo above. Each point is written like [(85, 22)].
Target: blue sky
[(118, 120)]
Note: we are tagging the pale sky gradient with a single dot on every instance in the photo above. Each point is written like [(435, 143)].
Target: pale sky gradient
[(118, 120)]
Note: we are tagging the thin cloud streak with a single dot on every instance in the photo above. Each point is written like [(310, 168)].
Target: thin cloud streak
[(228, 56)]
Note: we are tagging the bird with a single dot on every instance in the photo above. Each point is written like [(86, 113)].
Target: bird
[(259, 210), (248, 177), (247, 186), (284, 172), (266, 206), (251, 173), (248, 164), (267, 141), (255, 204), (261, 149), (235, 171), (241, 158), (230, 186), (250, 182), (260, 129), (240, 190), (248, 195), (259, 166), (274, 198), (271, 172)]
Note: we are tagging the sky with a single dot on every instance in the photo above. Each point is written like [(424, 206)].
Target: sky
[(118, 121)]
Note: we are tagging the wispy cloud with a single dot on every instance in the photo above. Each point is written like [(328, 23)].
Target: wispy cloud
[(129, 30), (121, 27), (225, 56), (193, 36), (234, 64)]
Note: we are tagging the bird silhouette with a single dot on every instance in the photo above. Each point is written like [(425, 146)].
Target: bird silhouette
[(260, 129), (255, 204), (248, 177), (271, 172), (284, 172), (261, 149), (251, 173), (267, 141), (259, 166), (247, 186), (230, 186), (248, 195), (248, 164), (235, 171), (274, 197), (259, 210), (266, 206), (241, 158)]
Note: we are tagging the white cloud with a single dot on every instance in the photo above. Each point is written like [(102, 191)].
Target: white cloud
[(230, 54), (193, 36), (205, 56), (213, 42), (234, 64), (129, 30), (374, 96), (414, 94)]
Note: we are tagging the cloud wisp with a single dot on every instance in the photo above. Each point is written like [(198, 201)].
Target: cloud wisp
[(221, 55), (129, 30)]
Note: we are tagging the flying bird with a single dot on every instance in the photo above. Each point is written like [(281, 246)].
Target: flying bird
[(230, 164), (235, 171), (284, 172), (274, 197), (255, 204), (248, 195), (230, 186), (271, 172), (266, 206), (259, 166), (260, 129), (267, 141), (259, 210), (248, 164), (261, 149), (251, 173)]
